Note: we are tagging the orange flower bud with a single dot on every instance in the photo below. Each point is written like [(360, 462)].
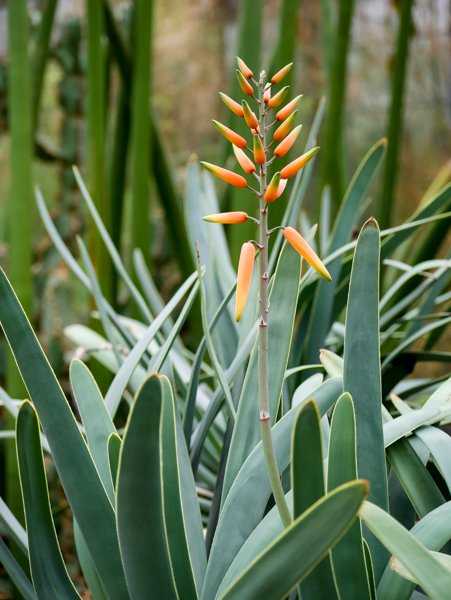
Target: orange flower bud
[(236, 108), (227, 218), (244, 277), (286, 144), (226, 175), (296, 240), (288, 108), (249, 116), (244, 84), (272, 190), (294, 166), (284, 128), (277, 78), (267, 93), (278, 98), (243, 160), (230, 135), (259, 151), (244, 68)]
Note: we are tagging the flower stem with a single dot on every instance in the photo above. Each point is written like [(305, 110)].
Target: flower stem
[(263, 384)]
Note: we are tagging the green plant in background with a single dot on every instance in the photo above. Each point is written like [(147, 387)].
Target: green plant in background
[(181, 498)]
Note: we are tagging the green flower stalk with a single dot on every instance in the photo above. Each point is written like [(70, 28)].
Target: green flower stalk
[(259, 125)]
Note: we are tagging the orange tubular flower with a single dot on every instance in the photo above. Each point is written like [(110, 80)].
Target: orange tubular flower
[(231, 104), (244, 277), (230, 135), (286, 144), (284, 128), (272, 191), (278, 98), (248, 73), (249, 116), (295, 239), (294, 166), (259, 151), (267, 93), (288, 108), (226, 175), (227, 218), (277, 77), (243, 160), (244, 84)]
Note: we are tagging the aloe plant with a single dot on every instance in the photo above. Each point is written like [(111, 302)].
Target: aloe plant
[(239, 471)]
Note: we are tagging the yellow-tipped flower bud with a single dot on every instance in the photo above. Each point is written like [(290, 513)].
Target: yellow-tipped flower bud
[(295, 239), (272, 191), (277, 77), (244, 277), (248, 73), (225, 175), (227, 218), (259, 151), (288, 108), (243, 160), (267, 93), (298, 163), (231, 104), (249, 116), (285, 127), (244, 84), (278, 98), (286, 144), (230, 135)]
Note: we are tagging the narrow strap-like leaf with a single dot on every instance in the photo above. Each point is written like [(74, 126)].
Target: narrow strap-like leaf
[(15, 572)]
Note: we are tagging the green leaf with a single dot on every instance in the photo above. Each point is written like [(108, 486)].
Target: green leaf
[(348, 555), (140, 501), (181, 508), (15, 572), (311, 536), (114, 450), (48, 570), (246, 501), (307, 482), (14, 528), (350, 210), (431, 575), (362, 378), (96, 420), (283, 296), (73, 462)]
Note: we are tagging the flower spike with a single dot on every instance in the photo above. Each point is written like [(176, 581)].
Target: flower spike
[(259, 151), (296, 241), (244, 277), (230, 135), (277, 77), (284, 128), (243, 160), (288, 108), (286, 144), (227, 218), (278, 98), (298, 163), (249, 116), (244, 84), (225, 175), (231, 104), (248, 73)]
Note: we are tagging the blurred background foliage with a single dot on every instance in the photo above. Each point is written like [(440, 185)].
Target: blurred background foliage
[(126, 91)]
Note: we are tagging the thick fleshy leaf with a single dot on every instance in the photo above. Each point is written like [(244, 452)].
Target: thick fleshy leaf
[(76, 469), (307, 482), (15, 572), (48, 570), (362, 378), (311, 536), (348, 555), (140, 503)]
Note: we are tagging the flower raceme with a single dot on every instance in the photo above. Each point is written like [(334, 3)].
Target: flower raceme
[(254, 155)]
